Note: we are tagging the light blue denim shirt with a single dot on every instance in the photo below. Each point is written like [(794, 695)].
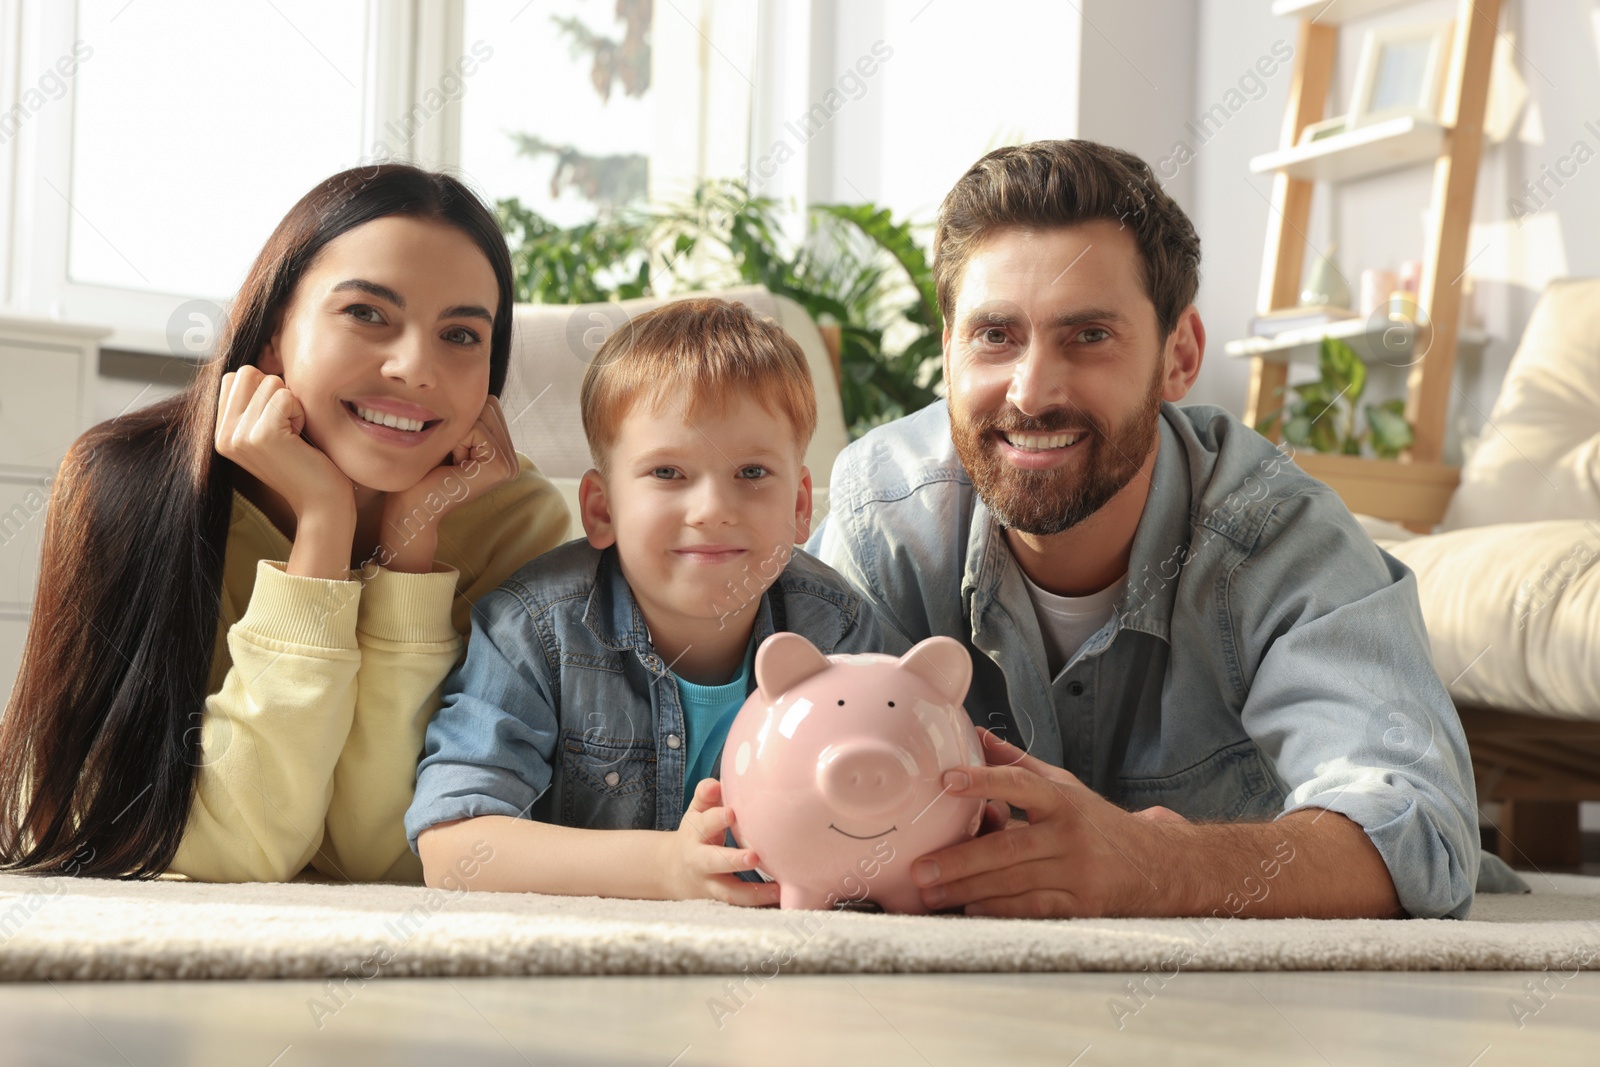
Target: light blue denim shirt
[(564, 712), (1266, 656)]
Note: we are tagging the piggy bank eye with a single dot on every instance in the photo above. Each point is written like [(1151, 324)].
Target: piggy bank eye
[(841, 703), (891, 703)]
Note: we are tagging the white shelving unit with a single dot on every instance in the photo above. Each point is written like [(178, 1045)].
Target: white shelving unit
[(1378, 342), (1451, 143), (1332, 12), (1359, 153)]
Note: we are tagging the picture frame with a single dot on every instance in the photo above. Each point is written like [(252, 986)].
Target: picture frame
[(1318, 131), (1401, 72)]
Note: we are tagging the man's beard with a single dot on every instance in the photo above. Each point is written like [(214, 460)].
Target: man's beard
[(1046, 502)]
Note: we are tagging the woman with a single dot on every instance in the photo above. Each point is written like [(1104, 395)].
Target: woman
[(250, 593)]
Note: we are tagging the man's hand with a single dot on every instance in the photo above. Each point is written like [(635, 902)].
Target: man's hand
[(997, 817), (697, 864), (1078, 854)]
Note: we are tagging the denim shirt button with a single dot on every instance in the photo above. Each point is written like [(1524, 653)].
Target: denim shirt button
[(612, 778), (653, 663), (674, 741), (1075, 688)]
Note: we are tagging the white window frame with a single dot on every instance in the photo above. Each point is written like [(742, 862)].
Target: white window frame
[(409, 46)]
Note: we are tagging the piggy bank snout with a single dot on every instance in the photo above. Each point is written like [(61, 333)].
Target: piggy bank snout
[(864, 777)]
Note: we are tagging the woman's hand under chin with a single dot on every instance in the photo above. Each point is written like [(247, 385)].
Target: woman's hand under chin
[(479, 462), (258, 427)]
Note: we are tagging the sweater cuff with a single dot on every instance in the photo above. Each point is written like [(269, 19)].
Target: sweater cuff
[(409, 608), (319, 612)]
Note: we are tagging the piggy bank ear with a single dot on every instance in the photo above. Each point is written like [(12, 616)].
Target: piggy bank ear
[(943, 664), (784, 660)]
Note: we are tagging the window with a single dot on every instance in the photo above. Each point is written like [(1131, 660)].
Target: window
[(587, 105), (197, 125), (149, 177)]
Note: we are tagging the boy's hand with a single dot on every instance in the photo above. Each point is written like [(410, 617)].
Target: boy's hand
[(479, 462), (697, 863)]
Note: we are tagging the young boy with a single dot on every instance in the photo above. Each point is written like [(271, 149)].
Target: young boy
[(601, 679)]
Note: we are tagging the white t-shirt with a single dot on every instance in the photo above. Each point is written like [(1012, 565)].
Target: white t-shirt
[(1066, 622)]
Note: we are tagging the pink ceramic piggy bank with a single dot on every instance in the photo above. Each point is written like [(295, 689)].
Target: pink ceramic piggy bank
[(834, 767)]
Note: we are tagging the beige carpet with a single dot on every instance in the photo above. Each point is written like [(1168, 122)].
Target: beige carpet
[(66, 929)]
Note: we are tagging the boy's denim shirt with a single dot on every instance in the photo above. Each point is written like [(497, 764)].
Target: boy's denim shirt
[(1266, 656), (564, 712)]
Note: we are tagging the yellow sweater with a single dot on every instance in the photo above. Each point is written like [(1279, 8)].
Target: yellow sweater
[(321, 690)]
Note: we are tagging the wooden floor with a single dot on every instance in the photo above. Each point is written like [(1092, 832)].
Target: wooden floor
[(1330, 1020)]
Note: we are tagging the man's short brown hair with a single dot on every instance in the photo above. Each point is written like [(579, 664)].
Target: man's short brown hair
[(715, 350), (1049, 184)]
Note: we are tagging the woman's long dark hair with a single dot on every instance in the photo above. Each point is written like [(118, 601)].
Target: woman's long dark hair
[(99, 744)]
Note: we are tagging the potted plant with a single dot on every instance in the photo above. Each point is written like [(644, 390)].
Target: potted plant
[(856, 268), (1322, 415)]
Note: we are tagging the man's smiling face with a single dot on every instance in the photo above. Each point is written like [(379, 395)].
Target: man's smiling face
[(1056, 371)]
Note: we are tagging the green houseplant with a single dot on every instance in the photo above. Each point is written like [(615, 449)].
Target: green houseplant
[(1322, 416), (854, 266)]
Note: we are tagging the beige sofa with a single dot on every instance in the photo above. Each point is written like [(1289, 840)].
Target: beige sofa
[(1510, 585), (551, 348)]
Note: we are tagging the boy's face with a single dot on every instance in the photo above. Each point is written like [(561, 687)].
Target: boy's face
[(705, 512)]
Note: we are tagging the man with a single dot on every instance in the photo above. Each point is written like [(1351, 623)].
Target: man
[(1164, 614)]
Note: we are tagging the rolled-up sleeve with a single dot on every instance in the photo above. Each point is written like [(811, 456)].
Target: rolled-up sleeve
[(490, 749), (1346, 703)]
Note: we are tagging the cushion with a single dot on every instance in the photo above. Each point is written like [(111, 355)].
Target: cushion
[(1384, 532), (552, 345), (1513, 614), (1538, 456)]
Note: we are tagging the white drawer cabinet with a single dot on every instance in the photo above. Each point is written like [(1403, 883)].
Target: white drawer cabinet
[(22, 505), (47, 376), (40, 390)]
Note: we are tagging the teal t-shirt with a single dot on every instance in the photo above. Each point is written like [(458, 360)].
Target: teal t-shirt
[(708, 712)]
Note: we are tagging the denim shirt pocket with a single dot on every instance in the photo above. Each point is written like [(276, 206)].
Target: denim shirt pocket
[(607, 782), (1232, 784)]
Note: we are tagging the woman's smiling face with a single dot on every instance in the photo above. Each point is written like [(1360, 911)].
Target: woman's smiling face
[(385, 343)]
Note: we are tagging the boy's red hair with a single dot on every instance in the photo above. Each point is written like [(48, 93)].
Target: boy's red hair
[(716, 350)]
